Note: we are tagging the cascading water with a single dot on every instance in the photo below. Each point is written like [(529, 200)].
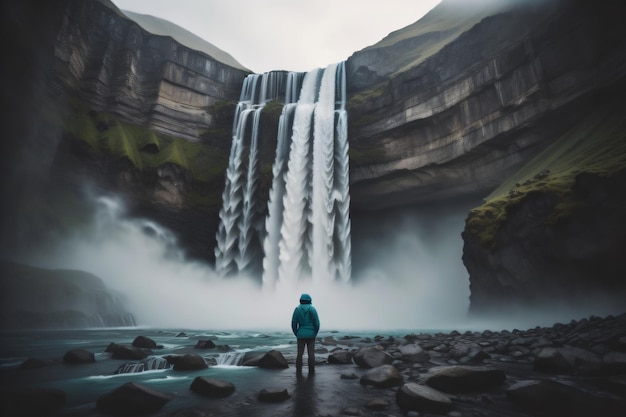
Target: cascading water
[(307, 228)]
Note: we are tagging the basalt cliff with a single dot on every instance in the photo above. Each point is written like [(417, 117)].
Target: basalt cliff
[(513, 102)]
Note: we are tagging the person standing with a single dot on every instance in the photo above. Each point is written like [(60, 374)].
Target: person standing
[(305, 323)]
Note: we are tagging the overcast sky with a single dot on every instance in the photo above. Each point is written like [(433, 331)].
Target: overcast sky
[(293, 35)]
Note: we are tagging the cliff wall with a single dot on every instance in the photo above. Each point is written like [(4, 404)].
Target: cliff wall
[(460, 100)]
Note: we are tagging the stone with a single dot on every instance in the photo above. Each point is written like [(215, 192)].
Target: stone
[(371, 357), (383, 376), (415, 397), (132, 399), (77, 356), (378, 404), (273, 395), (342, 357), (413, 353), (144, 342), (273, 359), (567, 360), (127, 352), (554, 399), (34, 363), (211, 387), (454, 379), (205, 344), (190, 362)]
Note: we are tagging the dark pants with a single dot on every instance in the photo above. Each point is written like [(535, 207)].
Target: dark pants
[(310, 345)]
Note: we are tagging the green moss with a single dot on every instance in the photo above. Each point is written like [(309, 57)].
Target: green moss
[(144, 148), (596, 144), (273, 109), (358, 100)]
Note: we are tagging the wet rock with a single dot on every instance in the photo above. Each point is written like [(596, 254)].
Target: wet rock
[(567, 360), (189, 362), (205, 344), (144, 342), (273, 359), (77, 356), (378, 404), (546, 398), (127, 352), (32, 402), (465, 378), (211, 387), (412, 396), (342, 357), (349, 376), (34, 363), (384, 376), (371, 357), (351, 412), (273, 395), (413, 353), (132, 399)]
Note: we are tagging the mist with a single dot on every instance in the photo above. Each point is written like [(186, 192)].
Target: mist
[(408, 274)]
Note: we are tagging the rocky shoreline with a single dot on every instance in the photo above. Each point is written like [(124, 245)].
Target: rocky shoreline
[(573, 369)]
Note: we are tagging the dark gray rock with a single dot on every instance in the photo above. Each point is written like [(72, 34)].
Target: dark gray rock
[(383, 376), (190, 362), (273, 395), (132, 399), (465, 378), (412, 396), (568, 359), (553, 399), (342, 357), (77, 356), (273, 359), (211, 387), (127, 352), (413, 353), (371, 357), (144, 342), (205, 344)]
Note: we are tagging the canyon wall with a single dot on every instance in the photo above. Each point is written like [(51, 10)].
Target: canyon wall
[(447, 108)]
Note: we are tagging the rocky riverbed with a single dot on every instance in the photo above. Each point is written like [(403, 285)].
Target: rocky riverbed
[(568, 369)]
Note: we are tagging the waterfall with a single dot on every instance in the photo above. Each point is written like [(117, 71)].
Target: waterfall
[(306, 232)]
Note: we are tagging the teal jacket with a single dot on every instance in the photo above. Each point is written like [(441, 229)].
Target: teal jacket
[(305, 323)]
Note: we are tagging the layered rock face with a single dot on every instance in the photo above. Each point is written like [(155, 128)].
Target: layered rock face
[(443, 108), (147, 79)]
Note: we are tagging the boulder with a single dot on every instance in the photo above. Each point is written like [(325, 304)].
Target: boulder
[(34, 363), (32, 402), (384, 376), (210, 387), (77, 356), (465, 378), (554, 399), (371, 357), (413, 353), (132, 399), (273, 359), (205, 344), (189, 362), (144, 342), (342, 357), (412, 396), (567, 360), (127, 352), (273, 395)]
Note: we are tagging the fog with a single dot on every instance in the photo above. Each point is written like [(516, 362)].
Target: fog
[(408, 275)]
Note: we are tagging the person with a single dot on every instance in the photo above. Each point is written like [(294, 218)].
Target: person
[(305, 323)]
